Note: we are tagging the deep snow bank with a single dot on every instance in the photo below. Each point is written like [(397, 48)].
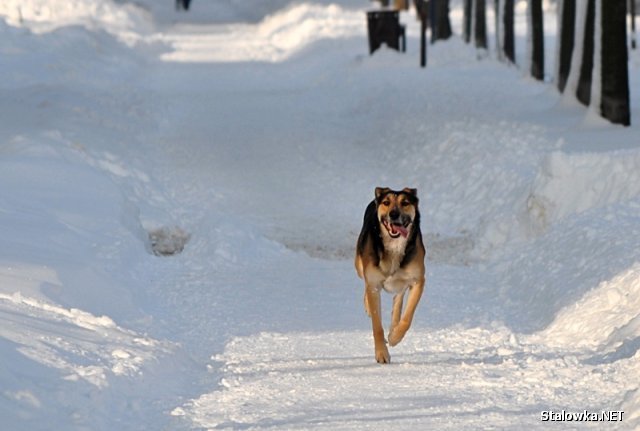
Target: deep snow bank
[(74, 330), (59, 14), (60, 212), (575, 234), (569, 183), (607, 317), (126, 21), (66, 295)]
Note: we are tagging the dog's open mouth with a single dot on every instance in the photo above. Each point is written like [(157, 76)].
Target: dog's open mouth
[(396, 230)]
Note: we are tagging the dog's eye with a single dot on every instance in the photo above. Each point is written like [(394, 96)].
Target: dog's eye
[(405, 203), (386, 203)]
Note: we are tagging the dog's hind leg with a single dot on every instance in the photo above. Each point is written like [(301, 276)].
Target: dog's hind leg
[(401, 328), (366, 304), (373, 301), (396, 311)]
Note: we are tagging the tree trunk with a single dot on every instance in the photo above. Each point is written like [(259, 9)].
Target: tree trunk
[(583, 92), (441, 25), (467, 21), (509, 44), (632, 12), (537, 39), (498, 29), (480, 24), (567, 22), (614, 73)]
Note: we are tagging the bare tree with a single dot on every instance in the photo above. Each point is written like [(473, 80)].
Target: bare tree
[(440, 23), (566, 31), (632, 13), (468, 8), (480, 23), (583, 91), (613, 63), (598, 73), (536, 34), (505, 30)]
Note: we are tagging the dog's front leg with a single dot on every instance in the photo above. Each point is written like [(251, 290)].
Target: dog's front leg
[(373, 301), (397, 310), (401, 328)]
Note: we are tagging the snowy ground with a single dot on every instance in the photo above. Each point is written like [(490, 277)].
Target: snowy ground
[(252, 144)]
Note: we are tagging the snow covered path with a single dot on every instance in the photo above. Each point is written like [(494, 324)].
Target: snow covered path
[(445, 379), (333, 130), (262, 144)]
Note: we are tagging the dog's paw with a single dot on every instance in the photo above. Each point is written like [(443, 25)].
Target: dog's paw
[(397, 333), (382, 356)]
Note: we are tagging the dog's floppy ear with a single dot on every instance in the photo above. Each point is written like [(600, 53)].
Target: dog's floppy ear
[(412, 192), (412, 195), (381, 191)]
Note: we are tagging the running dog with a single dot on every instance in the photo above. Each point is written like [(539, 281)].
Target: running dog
[(390, 256)]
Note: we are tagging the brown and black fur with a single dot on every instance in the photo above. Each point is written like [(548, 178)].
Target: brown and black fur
[(390, 256)]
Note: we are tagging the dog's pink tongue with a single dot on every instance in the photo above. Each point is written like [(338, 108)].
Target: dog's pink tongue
[(403, 230)]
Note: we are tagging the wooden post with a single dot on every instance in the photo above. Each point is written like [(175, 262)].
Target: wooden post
[(423, 12)]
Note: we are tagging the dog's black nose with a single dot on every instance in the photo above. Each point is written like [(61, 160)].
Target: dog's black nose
[(394, 214)]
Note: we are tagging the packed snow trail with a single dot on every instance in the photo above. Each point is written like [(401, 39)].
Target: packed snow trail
[(448, 379), (262, 144)]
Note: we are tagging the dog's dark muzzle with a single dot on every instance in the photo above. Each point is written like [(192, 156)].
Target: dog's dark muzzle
[(397, 224)]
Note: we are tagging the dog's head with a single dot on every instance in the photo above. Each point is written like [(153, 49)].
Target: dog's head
[(397, 210)]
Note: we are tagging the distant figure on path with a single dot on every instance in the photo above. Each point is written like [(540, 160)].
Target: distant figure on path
[(182, 4)]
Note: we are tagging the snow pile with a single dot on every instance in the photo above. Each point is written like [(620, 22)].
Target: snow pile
[(608, 317), (499, 174), (276, 38), (579, 223), (88, 356), (292, 29), (124, 20), (71, 216), (68, 234), (571, 183)]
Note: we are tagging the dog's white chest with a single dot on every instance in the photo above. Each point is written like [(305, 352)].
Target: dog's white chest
[(396, 279), (395, 249)]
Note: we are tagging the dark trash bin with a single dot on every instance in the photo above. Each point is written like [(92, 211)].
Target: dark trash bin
[(384, 27)]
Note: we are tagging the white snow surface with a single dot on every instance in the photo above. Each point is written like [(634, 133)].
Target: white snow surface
[(181, 195)]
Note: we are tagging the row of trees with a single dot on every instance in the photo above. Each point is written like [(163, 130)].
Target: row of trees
[(591, 55)]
